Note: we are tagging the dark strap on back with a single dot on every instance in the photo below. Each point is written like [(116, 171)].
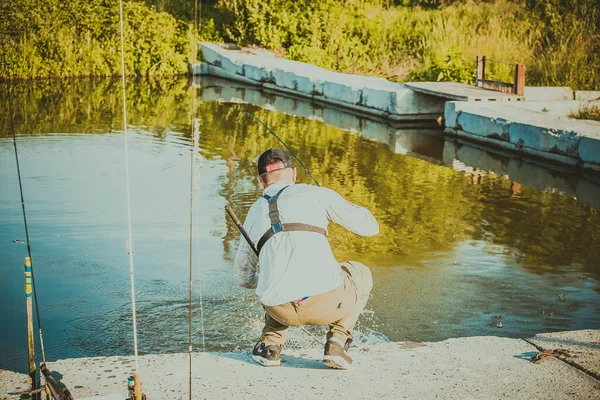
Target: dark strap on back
[(277, 226)]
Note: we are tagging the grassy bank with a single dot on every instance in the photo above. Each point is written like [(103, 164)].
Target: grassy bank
[(53, 38), (434, 40), (401, 40), (397, 42), (590, 112)]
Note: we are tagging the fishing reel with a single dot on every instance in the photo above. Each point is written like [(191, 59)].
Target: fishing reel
[(134, 388)]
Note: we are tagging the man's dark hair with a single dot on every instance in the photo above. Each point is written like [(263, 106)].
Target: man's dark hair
[(273, 154)]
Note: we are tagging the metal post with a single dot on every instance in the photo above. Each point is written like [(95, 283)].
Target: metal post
[(30, 343)]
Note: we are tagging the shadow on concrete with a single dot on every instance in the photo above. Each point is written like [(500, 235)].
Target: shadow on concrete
[(287, 361), (527, 356)]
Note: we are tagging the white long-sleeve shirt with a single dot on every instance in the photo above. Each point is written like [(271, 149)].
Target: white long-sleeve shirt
[(296, 264)]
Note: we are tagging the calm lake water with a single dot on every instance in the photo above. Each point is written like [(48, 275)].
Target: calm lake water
[(468, 238)]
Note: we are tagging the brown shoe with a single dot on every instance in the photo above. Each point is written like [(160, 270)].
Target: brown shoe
[(336, 354), (267, 355)]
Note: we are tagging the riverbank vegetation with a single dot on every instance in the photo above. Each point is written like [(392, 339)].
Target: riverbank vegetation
[(402, 40), (54, 38), (557, 40), (589, 112)]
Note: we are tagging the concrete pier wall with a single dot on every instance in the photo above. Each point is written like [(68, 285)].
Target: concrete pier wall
[(478, 160), (538, 126), (367, 95), (529, 128)]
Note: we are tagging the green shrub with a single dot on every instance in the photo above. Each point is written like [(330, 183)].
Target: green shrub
[(568, 49), (372, 38), (587, 112), (454, 68), (557, 40), (81, 38)]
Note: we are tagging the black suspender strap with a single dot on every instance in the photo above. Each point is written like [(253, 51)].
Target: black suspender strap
[(277, 226)]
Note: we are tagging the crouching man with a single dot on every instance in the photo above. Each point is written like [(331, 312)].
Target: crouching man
[(300, 282)]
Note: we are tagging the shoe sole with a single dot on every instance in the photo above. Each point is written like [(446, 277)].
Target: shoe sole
[(336, 362), (266, 363)]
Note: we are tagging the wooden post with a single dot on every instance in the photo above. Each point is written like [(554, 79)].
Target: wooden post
[(478, 69), (519, 85), (30, 343), (480, 74)]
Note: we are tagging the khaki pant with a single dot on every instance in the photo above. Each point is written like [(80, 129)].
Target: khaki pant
[(339, 308)]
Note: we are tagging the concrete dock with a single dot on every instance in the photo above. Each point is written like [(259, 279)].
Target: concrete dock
[(463, 368), (540, 129), (534, 125)]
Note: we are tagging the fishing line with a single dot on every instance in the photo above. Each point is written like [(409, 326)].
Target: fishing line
[(27, 242), (194, 149), (286, 146), (191, 285), (191, 289), (130, 240)]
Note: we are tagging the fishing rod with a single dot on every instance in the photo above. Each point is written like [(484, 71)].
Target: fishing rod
[(29, 260), (239, 225), (228, 208), (286, 146)]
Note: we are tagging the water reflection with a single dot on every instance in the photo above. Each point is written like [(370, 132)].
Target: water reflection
[(466, 238)]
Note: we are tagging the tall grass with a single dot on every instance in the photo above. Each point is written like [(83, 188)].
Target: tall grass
[(558, 40), (369, 38), (568, 49), (439, 42)]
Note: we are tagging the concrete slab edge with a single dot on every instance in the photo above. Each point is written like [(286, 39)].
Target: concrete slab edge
[(567, 360), (591, 167), (211, 70), (289, 80), (508, 154), (360, 110), (514, 149), (216, 71)]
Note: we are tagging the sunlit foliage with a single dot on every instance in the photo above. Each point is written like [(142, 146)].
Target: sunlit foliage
[(425, 40), (53, 38)]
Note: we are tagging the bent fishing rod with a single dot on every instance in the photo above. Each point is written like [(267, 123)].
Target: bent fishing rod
[(285, 145), (228, 208)]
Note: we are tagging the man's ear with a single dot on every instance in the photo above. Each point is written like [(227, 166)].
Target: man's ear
[(294, 175), (261, 182)]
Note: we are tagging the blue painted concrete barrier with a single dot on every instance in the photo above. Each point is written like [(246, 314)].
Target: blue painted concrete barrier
[(529, 128), (367, 95)]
